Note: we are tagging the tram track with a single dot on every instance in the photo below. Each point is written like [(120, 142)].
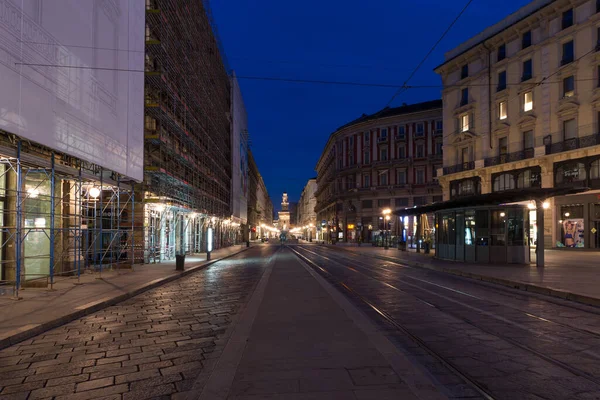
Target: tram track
[(414, 289), (499, 291)]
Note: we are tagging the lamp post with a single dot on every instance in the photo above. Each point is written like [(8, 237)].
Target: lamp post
[(386, 217)]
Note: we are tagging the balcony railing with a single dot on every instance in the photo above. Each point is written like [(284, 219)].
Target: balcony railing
[(509, 157), (382, 139), (573, 144), (453, 169)]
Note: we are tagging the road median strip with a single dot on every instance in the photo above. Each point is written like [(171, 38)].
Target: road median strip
[(23, 333)]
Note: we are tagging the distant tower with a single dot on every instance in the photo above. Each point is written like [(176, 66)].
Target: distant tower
[(284, 214)]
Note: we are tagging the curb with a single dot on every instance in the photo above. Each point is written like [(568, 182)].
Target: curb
[(524, 286), (39, 329)]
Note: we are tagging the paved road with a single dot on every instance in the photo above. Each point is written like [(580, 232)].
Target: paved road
[(155, 345), (481, 340)]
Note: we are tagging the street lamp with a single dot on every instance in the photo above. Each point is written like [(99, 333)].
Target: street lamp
[(386, 218)]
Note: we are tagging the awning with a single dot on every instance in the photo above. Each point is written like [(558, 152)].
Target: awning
[(491, 199)]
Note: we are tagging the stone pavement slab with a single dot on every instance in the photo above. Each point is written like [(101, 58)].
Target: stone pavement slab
[(568, 275), (153, 345), (39, 310), (304, 340)]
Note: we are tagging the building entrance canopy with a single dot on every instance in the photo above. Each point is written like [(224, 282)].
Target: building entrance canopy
[(461, 205)]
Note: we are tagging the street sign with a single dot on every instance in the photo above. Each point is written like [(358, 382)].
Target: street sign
[(594, 230), (324, 222)]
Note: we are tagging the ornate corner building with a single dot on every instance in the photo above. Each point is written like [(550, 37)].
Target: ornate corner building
[(385, 160), (522, 110)]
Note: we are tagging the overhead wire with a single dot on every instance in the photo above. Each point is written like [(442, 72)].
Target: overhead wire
[(403, 88)]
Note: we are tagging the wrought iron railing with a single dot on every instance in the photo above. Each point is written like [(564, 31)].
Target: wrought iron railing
[(573, 144), (453, 169), (509, 157)]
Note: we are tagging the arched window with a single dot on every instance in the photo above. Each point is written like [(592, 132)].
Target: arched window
[(528, 178), (595, 169), (570, 173), (504, 182)]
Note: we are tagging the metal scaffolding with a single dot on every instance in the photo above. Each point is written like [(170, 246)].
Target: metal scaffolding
[(187, 118), (61, 217)]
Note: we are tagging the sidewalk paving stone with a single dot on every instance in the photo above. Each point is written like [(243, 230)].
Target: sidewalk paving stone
[(39, 310)]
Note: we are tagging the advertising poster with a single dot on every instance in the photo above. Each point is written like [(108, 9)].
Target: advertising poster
[(573, 230)]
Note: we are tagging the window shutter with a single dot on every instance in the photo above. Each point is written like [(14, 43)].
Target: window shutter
[(471, 121)]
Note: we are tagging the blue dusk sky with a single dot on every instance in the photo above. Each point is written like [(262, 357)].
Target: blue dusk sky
[(375, 42)]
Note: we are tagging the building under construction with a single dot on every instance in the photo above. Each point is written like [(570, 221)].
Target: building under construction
[(188, 156)]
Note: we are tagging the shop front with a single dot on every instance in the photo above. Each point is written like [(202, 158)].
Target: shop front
[(577, 217), (578, 221)]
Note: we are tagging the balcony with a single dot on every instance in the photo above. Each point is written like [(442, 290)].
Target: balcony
[(438, 132), (453, 169), (400, 137), (382, 139), (573, 144), (509, 157)]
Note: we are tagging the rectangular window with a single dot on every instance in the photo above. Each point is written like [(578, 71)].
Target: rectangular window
[(351, 159), (420, 151), (401, 177), (567, 18), (527, 101), (351, 140), (464, 155), (501, 52), (501, 81), (464, 71), (384, 203), (570, 129), (383, 178), (526, 40), (383, 154), (401, 152), (528, 140), (420, 200), (383, 133), (464, 123), (439, 146), (420, 130), (401, 132), (439, 126), (367, 157), (367, 136), (464, 97), (503, 146), (502, 112), (367, 181), (569, 86), (401, 202), (420, 177), (527, 70), (568, 53), (367, 204)]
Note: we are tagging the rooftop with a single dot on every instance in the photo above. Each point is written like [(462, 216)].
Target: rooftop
[(495, 29), (391, 112)]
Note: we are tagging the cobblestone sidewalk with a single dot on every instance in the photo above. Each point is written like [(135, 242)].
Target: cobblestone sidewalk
[(154, 345)]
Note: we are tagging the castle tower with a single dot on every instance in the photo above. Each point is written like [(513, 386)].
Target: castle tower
[(284, 214)]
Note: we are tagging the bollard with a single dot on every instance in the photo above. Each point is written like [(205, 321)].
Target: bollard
[(208, 256), (179, 262)]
